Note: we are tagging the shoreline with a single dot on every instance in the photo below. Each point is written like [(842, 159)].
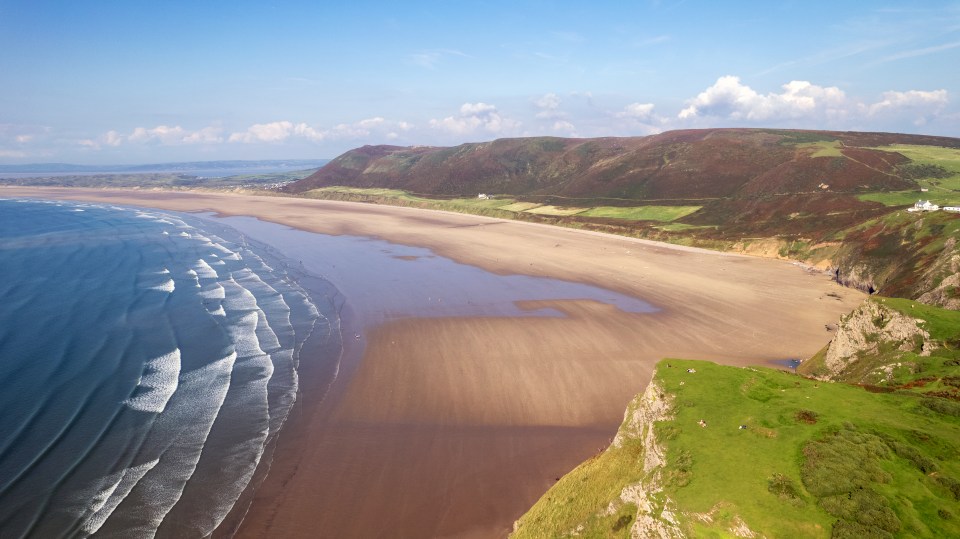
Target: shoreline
[(453, 425)]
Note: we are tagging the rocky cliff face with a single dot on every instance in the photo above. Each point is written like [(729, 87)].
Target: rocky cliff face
[(942, 280), (646, 409), (865, 339)]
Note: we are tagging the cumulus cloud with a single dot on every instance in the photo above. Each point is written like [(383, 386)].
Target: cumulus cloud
[(283, 130), (476, 117), (162, 133), (729, 98), (269, 132), (207, 135), (913, 99), (805, 102), (549, 105), (637, 111)]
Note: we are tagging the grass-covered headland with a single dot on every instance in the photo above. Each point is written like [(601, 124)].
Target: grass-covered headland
[(759, 452)]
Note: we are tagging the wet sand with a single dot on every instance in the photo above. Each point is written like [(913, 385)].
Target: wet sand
[(448, 422)]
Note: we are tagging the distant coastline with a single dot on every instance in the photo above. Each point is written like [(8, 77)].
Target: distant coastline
[(211, 169)]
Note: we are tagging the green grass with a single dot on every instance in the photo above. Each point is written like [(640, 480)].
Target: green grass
[(372, 191), (642, 213), (555, 210), (520, 206), (733, 466), (903, 198), (813, 455), (823, 148), (935, 168)]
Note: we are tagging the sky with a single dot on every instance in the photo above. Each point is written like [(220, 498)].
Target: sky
[(125, 82)]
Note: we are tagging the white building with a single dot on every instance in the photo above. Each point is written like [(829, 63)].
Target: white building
[(924, 205), (955, 209)]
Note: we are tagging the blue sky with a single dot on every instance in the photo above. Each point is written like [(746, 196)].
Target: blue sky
[(112, 82)]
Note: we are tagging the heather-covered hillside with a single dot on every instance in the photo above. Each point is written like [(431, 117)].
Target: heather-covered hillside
[(691, 164)]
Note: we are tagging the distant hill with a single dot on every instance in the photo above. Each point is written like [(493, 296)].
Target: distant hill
[(677, 165), (833, 199)]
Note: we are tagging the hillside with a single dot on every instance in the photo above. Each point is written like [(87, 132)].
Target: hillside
[(677, 165), (830, 199)]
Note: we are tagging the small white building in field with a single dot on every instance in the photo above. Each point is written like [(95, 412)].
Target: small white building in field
[(954, 209), (483, 196), (924, 205)]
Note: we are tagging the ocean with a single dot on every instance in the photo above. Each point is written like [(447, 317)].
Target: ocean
[(148, 360)]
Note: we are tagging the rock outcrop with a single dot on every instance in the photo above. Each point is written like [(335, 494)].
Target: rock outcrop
[(862, 333), (942, 280), (644, 411)]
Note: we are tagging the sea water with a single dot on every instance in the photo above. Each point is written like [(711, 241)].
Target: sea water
[(147, 361)]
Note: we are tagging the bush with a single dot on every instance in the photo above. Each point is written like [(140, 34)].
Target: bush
[(784, 488), (943, 406)]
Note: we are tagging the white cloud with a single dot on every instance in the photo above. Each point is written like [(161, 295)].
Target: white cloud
[(207, 135), (637, 111), (283, 130), (162, 133), (13, 153), (112, 138), (269, 132), (729, 98), (933, 101), (549, 105), (565, 127), (474, 117)]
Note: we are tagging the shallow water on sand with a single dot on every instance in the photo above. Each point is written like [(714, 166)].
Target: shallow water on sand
[(147, 361)]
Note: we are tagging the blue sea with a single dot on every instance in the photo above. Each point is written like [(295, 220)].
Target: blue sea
[(147, 362)]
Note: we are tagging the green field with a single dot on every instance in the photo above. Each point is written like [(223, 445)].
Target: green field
[(556, 210), (935, 168), (520, 206), (813, 459), (823, 148), (903, 198), (642, 213)]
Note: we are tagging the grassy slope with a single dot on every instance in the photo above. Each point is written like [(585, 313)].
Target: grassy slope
[(757, 473), (942, 188)]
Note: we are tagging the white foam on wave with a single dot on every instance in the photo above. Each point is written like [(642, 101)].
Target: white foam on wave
[(166, 286), (157, 383), (212, 291), (243, 333), (276, 312), (179, 434), (118, 486), (238, 298), (204, 270)]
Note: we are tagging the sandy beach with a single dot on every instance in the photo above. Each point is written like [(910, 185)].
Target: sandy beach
[(452, 414)]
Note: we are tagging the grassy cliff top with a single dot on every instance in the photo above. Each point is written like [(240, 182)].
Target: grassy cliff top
[(777, 455)]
